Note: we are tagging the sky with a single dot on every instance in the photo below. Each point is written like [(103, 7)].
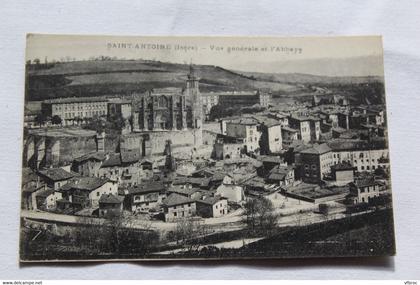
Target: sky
[(333, 56)]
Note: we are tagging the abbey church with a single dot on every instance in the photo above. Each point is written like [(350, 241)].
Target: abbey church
[(170, 108)]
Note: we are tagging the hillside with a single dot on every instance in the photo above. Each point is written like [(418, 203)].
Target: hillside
[(91, 78), (109, 77), (300, 78)]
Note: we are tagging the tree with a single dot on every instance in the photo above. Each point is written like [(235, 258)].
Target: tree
[(40, 119), (260, 216), (56, 120), (190, 233)]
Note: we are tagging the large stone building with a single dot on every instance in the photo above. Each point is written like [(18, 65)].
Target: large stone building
[(315, 162), (308, 127), (170, 108), (235, 98), (76, 109)]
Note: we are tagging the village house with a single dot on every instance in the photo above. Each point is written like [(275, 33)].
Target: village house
[(248, 129), (146, 196), (288, 134), (55, 177), (342, 173), (45, 198), (227, 147), (186, 190), (364, 155), (268, 163), (83, 192), (177, 207), (212, 207), (31, 182), (364, 190), (126, 167), (316, 194), (308, 127), (257, 187), (88, 164), (232, 192), (281, 175), (110, 205), (271, 136), (315, 162), (190, 181), (123, 167)]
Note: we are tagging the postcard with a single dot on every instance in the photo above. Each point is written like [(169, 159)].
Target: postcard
[(157, 148)]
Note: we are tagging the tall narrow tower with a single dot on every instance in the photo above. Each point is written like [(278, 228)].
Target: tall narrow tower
[(193, 98)]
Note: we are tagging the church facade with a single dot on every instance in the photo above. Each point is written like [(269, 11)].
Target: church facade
[(170, 108)]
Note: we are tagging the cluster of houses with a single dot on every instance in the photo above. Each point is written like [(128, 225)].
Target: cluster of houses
[(317, 154)]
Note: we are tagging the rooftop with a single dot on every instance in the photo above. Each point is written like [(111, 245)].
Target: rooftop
[(244, 121), (99, 156), (84, 183), (183, 190), (75, 100), (317, 192), (148, 187), (211, 200), (44, 192), (176, 199), (56, 174), (111, 199), (317, 149)]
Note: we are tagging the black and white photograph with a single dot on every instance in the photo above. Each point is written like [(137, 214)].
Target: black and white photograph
[(162, 148)]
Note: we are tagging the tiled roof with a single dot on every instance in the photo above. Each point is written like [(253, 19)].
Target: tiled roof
[(111, 199), (117, 159), (44, 192), (199, 181), (317, 149), (244, 121), (279, 172), (270, 158), (211, 200), (84, 183), (155, 186), (176, 199), (183, 191), (75, 100), (56, 174), (99, 156), (114, 159)]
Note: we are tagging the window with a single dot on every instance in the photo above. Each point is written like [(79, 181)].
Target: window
[(367, 167), (175, 214), (362, 167), (97, 194)]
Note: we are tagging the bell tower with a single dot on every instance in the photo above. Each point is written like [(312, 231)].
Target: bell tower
[(193, 98)]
